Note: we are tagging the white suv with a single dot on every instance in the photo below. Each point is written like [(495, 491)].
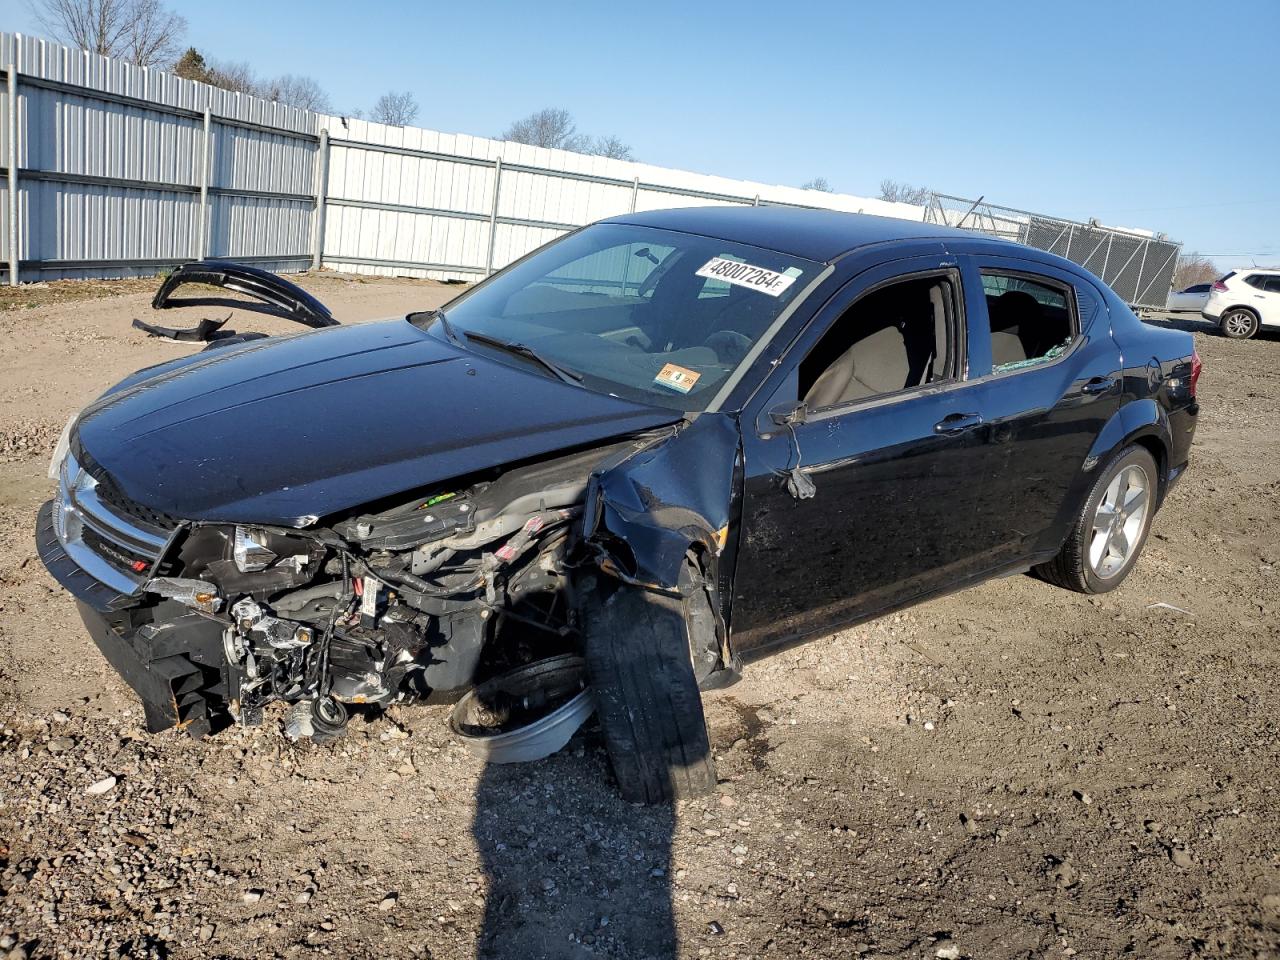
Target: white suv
[(1244, 300)]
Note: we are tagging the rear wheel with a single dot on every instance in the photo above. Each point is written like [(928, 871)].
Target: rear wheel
[(1239, 324), (638, 652), (1112, 526)]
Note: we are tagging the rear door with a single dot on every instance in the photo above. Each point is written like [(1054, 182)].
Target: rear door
[(1270, 303), (1041, 340)]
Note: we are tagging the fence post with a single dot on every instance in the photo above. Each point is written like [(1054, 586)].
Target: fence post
[(202, 238), (493, 214), (1106, 258), (635, 192), (321, 192), (12, 77)]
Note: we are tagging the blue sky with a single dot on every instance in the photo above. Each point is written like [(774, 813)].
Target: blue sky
[(1151, 114)]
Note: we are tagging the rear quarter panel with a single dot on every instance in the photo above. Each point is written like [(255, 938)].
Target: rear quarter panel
[(1156, 400)]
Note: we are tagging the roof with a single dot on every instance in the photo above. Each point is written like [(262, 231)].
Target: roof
[(821, 235)]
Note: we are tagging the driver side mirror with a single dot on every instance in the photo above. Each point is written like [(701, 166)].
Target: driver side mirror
[(789, 413)]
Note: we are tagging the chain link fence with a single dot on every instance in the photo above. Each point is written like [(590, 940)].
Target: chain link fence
[(1137, 266)]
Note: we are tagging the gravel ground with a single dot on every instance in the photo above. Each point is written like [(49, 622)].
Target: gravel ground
[(1014, 771)]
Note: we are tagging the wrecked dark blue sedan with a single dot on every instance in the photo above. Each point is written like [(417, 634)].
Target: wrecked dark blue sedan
[(666, 443)]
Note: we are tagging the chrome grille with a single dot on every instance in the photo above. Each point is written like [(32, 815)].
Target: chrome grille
[(112, 549), (114, 500)]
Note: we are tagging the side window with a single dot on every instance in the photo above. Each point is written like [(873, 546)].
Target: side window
[(1254, 280), (896, 337), (1273, 285), (1031, 320)]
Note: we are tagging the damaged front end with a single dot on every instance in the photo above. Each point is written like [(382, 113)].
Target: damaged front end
[(416, 599), (221, 563)]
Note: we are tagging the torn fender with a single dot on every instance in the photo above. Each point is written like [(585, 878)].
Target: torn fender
[(276, 296), (646, 509)]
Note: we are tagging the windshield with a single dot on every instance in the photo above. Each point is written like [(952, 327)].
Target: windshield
[(646, 314)]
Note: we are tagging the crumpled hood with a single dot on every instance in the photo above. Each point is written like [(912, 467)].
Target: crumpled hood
[(314, 424)]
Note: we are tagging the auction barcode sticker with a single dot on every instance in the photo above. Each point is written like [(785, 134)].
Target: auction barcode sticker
[(745, 275)]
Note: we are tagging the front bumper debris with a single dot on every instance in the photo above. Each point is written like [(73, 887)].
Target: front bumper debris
[(176, 691), (170, 656)]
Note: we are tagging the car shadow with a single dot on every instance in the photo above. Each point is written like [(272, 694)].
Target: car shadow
[(570, 869), (1189, 322), (1193, 323)]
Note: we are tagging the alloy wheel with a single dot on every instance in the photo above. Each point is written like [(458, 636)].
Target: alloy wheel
[(1118, 522), (1238, 324)]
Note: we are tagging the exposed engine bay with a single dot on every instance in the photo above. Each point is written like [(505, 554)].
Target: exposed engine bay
[(397, 604)]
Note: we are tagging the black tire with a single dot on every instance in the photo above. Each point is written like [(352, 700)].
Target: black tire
[(1239, 323), (1071, 569), (328, 719), (638, 662)]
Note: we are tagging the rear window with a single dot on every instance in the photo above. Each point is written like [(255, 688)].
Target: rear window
[(1031, 320)]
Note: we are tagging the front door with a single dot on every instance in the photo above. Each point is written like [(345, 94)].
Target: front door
[(899, 449)]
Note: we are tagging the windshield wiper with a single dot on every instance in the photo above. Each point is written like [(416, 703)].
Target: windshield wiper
[(445, 325), (524, 350)]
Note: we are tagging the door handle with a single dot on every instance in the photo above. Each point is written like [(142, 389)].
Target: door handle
[(1099, 385), (957, 423)]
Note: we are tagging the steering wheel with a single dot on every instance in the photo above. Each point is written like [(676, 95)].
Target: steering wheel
[(730, 346)]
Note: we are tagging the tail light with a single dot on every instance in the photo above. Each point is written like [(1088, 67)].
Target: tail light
[(1196, 367), (1219, 286)]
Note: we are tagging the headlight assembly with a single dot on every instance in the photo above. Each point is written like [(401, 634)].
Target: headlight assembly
[(60, 449), (250, 550)]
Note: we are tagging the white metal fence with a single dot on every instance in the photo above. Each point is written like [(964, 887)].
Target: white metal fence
[(110, 170)]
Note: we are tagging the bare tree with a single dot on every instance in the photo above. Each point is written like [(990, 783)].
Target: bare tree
[(817, 183), (398, 109), (234, 75), (142, 31), (552, 128), (1193, 268), (897, 192), (239, 77), (298, 91), (611, 147)]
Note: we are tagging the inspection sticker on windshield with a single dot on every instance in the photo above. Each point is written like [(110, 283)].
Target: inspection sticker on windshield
[(677, 378), (745, 275)]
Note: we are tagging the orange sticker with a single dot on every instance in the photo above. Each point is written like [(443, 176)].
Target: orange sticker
[(677, 378)]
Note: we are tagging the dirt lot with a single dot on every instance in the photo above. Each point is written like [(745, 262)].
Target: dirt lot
[(1015, 771)]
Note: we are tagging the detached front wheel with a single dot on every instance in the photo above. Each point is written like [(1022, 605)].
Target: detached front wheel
[(637, 646)]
